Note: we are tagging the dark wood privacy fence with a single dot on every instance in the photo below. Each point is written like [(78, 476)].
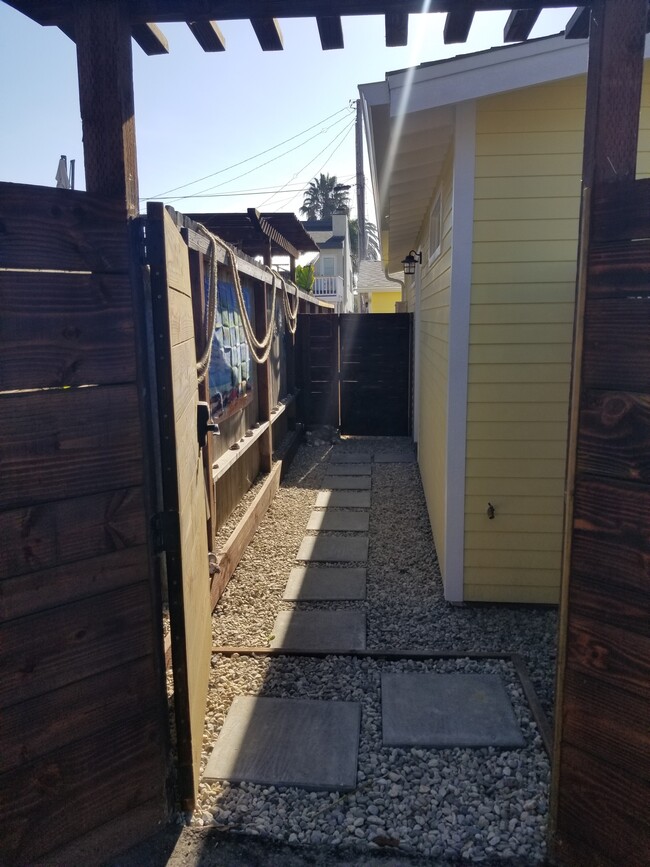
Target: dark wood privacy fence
[(83, 722), (603, 745), (355, 372)]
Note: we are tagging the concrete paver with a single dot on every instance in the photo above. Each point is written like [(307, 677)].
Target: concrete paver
[(312, 583), (288, 742), (347, 483), (334, 549), (343, 499), (320, 630), (339, 519), (447, 710), (349, 470)]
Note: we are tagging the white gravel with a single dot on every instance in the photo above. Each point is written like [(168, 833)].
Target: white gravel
[(472, 804)]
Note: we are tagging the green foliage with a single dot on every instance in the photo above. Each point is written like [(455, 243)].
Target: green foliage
[(305, 277), (372, 242), (323, 197)]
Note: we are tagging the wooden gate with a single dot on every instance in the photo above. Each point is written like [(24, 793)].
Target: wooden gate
[(356, 372), (180, 525)]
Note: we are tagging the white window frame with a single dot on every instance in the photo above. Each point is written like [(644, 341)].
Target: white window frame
[(435, 228)]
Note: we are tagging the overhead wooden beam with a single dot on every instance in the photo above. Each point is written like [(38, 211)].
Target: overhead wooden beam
[(208, 35), (397, 29), (578, 24), (330, 31), (150, 38), (162, 11), (105, 67), (458, 24), (268, 33), (263, 226), (519, 24)]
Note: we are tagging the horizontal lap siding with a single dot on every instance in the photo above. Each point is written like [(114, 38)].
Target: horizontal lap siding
[(527, 203), (82, 703), (524, 264), (434, 366)]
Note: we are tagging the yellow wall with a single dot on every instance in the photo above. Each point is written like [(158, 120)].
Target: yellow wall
[(384, 302), (434, 354), (527, 194)]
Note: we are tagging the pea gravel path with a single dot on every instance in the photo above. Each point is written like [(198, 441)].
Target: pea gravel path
[(452, 805)]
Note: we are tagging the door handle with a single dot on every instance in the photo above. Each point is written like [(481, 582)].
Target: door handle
[(204, 423)]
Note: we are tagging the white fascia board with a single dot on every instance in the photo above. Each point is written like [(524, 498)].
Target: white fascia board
[(487, 73), (459, 321)]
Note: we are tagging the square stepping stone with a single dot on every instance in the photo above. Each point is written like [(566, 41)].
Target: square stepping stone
[(334, 549), (324, 630), (349, 470), (288, 742), (447, 710), (394, 458), (350, 457), (343, 499), (311, 583), (339, 519), (347, 483)]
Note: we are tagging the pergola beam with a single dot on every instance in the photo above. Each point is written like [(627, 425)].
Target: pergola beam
[(397, 29), (208, 35), (268, 33), (458, 24), (330, 31), (150, 38), (519, 24), (578, 25)]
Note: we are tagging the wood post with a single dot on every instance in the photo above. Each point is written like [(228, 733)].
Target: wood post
[(102, 33)]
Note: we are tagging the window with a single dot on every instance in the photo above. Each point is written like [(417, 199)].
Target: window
[(435, 229), (328, 266)]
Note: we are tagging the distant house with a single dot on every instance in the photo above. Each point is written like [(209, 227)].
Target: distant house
[(333, 267), (476, 165), (377, 293)]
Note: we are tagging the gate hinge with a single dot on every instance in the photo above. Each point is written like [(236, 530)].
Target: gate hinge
[(165, 532)]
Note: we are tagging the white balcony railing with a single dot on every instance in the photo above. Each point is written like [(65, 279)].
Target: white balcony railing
[(328, 287)]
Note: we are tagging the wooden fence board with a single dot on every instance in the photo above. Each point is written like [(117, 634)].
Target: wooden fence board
[(623, 739), (618, 657), (55, 648), (621, 211), (601, 813), (618, 269), (68, 443), (45, 724), (614, 438), (62, 230), (616, 345), (22, 595), (51, 534), (610, 534), (49, 802), (62, 330)]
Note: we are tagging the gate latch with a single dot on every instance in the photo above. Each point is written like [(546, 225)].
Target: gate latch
[(204, 423), (165, 531)]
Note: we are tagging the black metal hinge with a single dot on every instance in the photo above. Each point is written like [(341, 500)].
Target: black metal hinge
[(166, 532)]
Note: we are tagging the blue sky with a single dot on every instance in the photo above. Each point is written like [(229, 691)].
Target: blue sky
[(198, 114)]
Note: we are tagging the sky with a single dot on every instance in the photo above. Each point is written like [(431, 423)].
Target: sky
[(220, 132)]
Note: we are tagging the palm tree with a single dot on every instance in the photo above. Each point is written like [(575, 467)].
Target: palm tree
[(372, 242), (323, 197)]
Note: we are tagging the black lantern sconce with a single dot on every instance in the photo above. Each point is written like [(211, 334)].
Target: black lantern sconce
[(409, 262)]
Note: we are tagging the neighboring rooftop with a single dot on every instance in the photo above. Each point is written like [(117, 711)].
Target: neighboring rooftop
[(372, 277)]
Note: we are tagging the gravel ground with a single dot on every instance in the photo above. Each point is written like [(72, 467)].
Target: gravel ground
[(458, 805)]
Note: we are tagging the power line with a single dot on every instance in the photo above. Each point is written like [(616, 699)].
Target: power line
[(248, 159), (261, 165)]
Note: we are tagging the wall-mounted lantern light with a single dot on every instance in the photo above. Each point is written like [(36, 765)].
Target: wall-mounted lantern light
[(409, 262)]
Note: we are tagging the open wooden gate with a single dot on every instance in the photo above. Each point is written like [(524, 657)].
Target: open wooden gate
[(355, 372), (180, 525)]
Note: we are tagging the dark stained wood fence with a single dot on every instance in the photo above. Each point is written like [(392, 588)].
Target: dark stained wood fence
[(83, 721), (602, 809), (355, 372), (375, 377)]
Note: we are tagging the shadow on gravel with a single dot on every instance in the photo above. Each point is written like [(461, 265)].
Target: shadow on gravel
[(210, 848)]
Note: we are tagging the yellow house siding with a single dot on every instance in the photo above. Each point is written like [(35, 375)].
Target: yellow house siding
[(384, 302), (527, 191), (527, 203), (434, 364)]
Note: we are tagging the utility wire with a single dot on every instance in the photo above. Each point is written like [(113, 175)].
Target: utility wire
[(261, 165), (248, 159)]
